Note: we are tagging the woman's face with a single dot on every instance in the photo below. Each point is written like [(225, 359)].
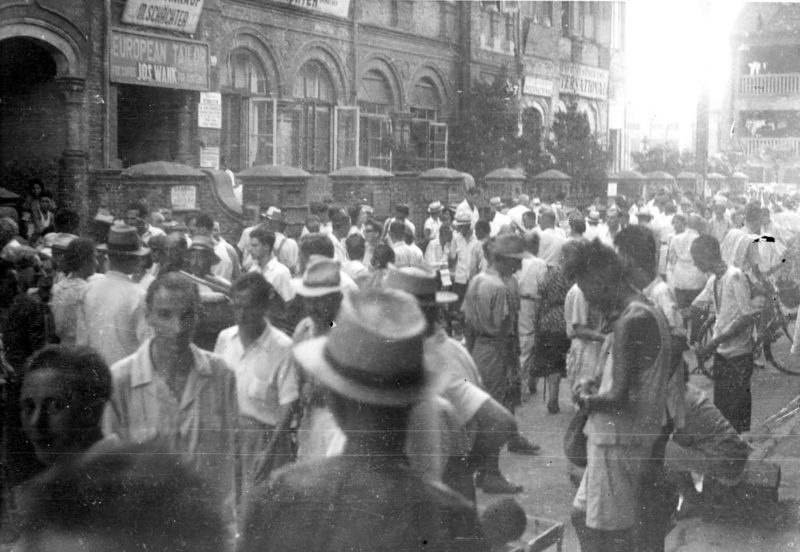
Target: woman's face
[(36, 189)]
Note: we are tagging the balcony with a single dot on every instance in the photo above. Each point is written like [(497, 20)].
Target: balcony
[(769, 85), (754, 147)]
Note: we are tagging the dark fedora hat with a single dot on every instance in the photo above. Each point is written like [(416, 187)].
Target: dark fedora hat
[(123, 240)]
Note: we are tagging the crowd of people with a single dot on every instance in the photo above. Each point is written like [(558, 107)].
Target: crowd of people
[(266, 395)]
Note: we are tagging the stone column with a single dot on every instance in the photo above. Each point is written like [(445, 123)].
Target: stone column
[(73, 174), (185, 107)]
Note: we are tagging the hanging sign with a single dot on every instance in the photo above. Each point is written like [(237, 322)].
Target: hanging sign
[(581, 80), (175, 15), (183, 198), (209, 110), (339, 8), (148, 60)]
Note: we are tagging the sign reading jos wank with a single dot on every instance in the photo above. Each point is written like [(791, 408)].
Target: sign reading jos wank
[(175, 15), (148, 60)]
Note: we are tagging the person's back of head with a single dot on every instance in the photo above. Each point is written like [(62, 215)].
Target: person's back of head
[(319, 209), (316, 244), (312, 224), (401, 211), (706, 247), (382, 256), (482, 229), (637, 244), (695, 222), (205, 223), (356, 247), (577, 225), (397, 231), (78, 254), (129, 499)]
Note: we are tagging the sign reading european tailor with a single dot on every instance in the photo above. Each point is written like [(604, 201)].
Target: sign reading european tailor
[(535, 86), (175, 15), (183, 198), (340, 8), (585, 81), (209, 158), (209, 110), (147, 60)]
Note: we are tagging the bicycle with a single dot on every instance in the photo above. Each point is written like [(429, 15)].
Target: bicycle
[(775, 321)]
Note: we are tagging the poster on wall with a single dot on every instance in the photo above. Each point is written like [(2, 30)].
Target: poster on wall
[(181, 16), (209, 158), (149, 60), (612, 189), (339, 8), (209, 110), (183, 198)]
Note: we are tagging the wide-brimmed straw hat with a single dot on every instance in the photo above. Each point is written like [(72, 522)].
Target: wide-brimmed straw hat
[(374, 353), (123, 240), (435, 207), (463, 219), (273, 213), (322, 276), (421, 282), (204, 243), (510, 245)]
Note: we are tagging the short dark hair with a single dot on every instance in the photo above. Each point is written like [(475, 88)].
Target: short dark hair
[(639, 243), (139, 207), (401, 209), (577, 225), (383, 255), (119, 496), (590, 257), (706, 246), (354, 211), (78, 253), (172, 281), (263, 234), (312, 223), (483, 227), (356, 246), (46, 193), (262, 292), (318, 208), (66, 220), (316, 244), (204, 221), (339, 218), (473, 191), (91, 378), (532, 242)]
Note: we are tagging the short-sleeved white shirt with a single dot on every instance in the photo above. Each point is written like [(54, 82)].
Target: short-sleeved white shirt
[(265, 377), (279, 277), (730, 299)]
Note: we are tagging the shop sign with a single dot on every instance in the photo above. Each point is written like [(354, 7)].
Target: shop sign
[(535, 86), (175, 15), (183, 198), (209, 110), (209, 158), (339, 8), (580, 80), (147, 60)]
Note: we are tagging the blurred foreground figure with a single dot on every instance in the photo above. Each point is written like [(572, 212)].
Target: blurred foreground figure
[(126, 500), (369, 498)]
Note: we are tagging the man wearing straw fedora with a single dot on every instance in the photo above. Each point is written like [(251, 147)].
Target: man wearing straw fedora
[(483, 422), (111, 317), (433, 222), (491, 307), (369, 498)]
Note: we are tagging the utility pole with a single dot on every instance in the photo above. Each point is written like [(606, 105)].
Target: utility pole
[(701, 124)]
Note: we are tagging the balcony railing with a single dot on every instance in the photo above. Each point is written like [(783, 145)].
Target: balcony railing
[(769, 85), (755, 147)]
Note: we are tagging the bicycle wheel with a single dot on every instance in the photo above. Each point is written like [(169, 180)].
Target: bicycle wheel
[(703, 337), (778, 344)]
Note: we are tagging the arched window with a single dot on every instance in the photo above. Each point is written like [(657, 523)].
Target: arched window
[(248, 130), (427, 138), (308, 121), (375, 105)]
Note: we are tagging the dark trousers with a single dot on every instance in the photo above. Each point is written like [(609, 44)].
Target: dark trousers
[(732, 395)]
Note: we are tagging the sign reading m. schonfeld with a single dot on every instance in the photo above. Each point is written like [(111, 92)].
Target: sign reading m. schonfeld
[(175, 15), (147, 60)]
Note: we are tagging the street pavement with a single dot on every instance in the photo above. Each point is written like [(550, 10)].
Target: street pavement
[(548, 492)]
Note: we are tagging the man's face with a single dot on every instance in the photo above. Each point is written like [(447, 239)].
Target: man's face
[(46, 204), (258, 250), (678, 225), (445, 216), (199, 262), (528, 220), (246, 312), (465, 230), (702, 262), (322, 310), (52, 416), (215, 231), (173, 317), (371, 234)]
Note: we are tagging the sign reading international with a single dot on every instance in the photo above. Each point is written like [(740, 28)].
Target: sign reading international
[(339, 8), (147, 60), (175, 15), (581, 80)]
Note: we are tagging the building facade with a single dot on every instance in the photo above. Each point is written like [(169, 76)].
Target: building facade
[(91, 86), (761, 115)]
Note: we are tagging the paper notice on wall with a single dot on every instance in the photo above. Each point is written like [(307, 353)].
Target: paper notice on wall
[(209, 110), (612, 189), (209, 158), (183, 198)]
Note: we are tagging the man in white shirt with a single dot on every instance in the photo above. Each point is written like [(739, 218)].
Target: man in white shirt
[(266, 379), (464, 254), (595, 228), (401, 213), (469, 207), (533, 269), (286, 249), (111, 316), (227, 266), (685, 278), (516, 212), (136, 215), (551, 239), (340, 226), (433, 222), (262, 241), (404, 253), (499, 220)]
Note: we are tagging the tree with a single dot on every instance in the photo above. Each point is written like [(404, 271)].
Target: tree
[(486, 136), (577, 151), (658, 158)]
